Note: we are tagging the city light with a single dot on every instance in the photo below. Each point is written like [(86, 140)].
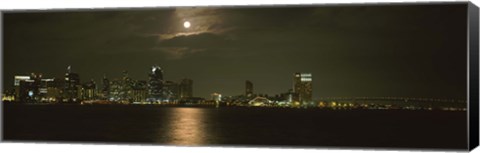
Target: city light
[(159, 91), (20, 78)]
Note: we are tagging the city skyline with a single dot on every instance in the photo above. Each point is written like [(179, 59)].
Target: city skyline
[(352, 51), (301, 87), (67, 86)]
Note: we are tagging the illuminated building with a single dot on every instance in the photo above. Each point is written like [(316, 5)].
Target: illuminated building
[(34, 88), (155, 84), (8, 95), (216, 97), (248, 88), (302, 88), (139, 91), (89, 90), (286, 97), (126, 89), (186, 89), (106, 87), (72, 85), (120, 90), (260, 101), (116, 91), (44, 84), (170, 91), (50, 90), (79, 93), (16, 84), (29, 89)]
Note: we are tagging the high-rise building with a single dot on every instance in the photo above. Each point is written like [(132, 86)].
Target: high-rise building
[(186, 89), (155, 84), (72, 84), (29, 88), (50, 89), (302, 88), (139, 91), (170, 91), (116, 90), (248, 88), (121, 90), (89, 90), (127, 84), (16, 84), (106, 87)]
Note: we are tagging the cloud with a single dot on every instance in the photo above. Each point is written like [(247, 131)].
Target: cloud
[(181, 46), (174, 53), (197, 41)]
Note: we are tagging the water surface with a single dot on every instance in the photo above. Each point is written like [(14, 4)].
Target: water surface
[(234, 126)]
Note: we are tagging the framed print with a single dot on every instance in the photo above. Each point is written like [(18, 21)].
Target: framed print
[(395, 76)]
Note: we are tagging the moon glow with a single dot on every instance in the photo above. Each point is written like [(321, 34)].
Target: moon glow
[(186, 24)]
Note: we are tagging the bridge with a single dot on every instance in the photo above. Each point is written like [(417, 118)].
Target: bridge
[(404, 99), (400, 102)]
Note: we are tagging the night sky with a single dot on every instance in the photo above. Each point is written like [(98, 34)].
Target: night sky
[(360, 50)]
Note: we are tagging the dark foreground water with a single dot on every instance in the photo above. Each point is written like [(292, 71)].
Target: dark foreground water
[(235, 126)]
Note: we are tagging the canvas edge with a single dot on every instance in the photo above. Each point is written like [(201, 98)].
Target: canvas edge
[(473, 84), (266, 5), (1, 77), (472, 66)]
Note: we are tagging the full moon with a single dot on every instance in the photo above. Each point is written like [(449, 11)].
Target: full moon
[(186, 24)]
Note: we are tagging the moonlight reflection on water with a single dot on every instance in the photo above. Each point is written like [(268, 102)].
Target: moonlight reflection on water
[(185, 127), (234, 126)]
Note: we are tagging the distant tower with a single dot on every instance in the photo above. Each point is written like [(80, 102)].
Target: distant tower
[(170, 91), (126, 87), (155, 84), (186, 88), (106, 87), (17, 81), (248, 88), (139, 90), (89, 90), (72, 83), (302, 88), (69, 69)]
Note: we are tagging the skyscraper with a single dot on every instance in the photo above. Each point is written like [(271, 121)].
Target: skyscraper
[(89, 90), (302, 88), (186, 88), (170, 90), (50, 89), (16, 84), (139, 91), (72, 81), (126, 89), (29, 89), (121, 89), (155, 84), (106, 87), (248, 88), (116, 90)]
